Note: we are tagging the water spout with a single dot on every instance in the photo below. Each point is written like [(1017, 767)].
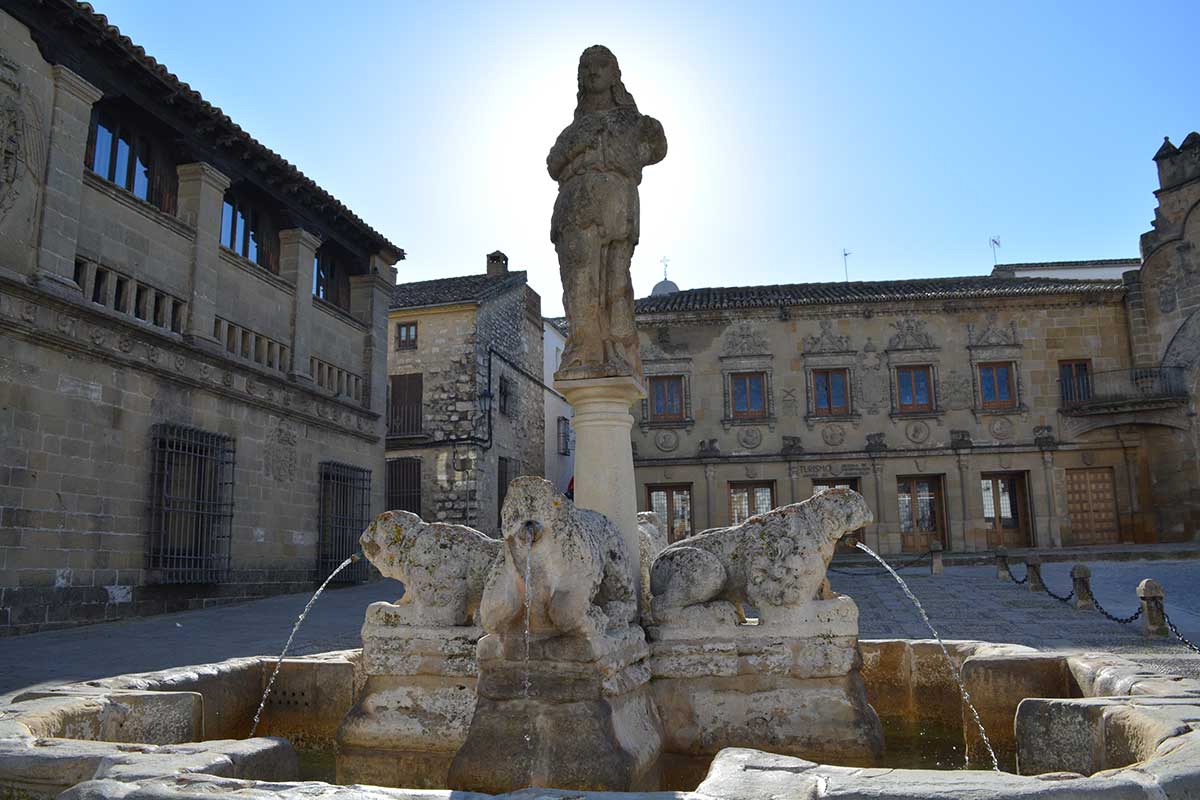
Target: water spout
[(300, 621), (962, 687)]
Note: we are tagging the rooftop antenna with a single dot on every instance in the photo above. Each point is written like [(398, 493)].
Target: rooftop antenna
[(664, 261), (845, 266), (994, 242)]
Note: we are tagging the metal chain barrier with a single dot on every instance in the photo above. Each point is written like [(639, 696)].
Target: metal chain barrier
[(1162, 610), (1008, 569), (1061, 598), (863, 573), (1122, 620)]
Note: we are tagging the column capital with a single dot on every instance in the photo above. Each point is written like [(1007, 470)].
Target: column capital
[(377, 281), (300, 236), (204, 172), (77, 86)]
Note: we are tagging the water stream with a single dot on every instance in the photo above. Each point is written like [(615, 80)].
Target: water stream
[(296, 627), (962, 687)]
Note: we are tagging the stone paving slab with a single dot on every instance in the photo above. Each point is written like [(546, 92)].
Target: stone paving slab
[(966, 602)]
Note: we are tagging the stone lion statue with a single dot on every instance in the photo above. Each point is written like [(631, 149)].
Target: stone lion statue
[(443, 567), (570, 563), (772, 560), (652, 538)]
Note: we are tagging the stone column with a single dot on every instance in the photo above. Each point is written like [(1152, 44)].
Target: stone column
[(710, 474), (370, 296), (880, 510), (297, 249), (959, 541), (1052, 529), (604, 451), (794, 480), (58, 228), (1154, 623), (201, 194)]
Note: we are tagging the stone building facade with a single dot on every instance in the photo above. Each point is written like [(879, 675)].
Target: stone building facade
[(466, 412), (560, 436), (973, 412), (190, 334)]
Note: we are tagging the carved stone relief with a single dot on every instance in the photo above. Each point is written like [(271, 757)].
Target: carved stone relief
[(827, 341), (279, 452), (871, 380), (749, 438), (956, 390), (1001, 428), (745, 339), (792, 446), (790, 403), (876, 442), (751, 471), (709, 448), (666, 441), (910, 335), (833, 435), (916, 431), (992, 334)]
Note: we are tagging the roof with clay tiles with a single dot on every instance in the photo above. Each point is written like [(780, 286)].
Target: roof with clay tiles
[(805, 294), (461, 289)]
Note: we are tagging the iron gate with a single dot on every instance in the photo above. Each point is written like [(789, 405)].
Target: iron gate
[(345, 510), (404, 485), (191, 505)]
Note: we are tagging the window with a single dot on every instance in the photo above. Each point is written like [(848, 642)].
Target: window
[(914, 389), (331, 279), (673, 504), (1004, 510), (404, 484), (508, 405), (191, 504), (666, 393), (996, 385), (830, 392), (343, 512), (749, 499), (405, 407), (249, 231), (1075, 381), (124, 155), (100, 287), (749, 393), (564, 436), (406, 336)]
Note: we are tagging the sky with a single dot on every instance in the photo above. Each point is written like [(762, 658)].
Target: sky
[(906, 133)]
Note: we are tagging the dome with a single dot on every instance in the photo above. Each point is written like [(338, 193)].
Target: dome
[(664, 287)]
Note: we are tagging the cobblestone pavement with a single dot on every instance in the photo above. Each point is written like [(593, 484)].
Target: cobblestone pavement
[(965, 602)]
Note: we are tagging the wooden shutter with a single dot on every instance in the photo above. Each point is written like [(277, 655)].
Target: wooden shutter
[(404, 415)]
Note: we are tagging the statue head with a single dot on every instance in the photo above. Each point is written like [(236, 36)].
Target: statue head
[(600, 84)]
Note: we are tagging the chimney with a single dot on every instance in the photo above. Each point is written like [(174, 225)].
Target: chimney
[(497, 264)]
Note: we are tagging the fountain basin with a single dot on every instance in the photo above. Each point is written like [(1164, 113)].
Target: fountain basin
[(1073, 724)]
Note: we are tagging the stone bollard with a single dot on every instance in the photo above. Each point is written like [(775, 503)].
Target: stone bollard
[(1081, 578), (1033, 567), (935, 563), (1002, 564), (1150, 592)]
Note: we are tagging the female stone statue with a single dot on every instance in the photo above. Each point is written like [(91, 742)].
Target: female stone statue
[(597, 161)]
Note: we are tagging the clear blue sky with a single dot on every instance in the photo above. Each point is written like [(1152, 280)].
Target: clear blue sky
[(908, 133)]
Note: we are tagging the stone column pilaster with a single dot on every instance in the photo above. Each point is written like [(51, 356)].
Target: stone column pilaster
[(297, 249), (880, 509), (958, 533), (370, 296), (794, 480), (710, 474), (602, 427), (201, 194), (58, 228), (1052, 536)]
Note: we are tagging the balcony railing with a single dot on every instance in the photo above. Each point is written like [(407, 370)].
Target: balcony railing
[(404, 420), (1120, 388)]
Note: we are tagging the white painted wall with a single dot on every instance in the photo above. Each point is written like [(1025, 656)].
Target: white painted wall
[(559, 467)]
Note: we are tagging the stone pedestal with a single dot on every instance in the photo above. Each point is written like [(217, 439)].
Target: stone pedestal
[(604, 479), (574, 713), (413, 711), (790, 686)]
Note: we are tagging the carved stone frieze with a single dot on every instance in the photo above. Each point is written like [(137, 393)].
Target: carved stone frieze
[(749, 438), (709, 448), (876, 442), (956, 390), (917, 431), (792, 446), (666, 441), (279, 451), (789, 404), (745, 338), (833, 435), (1001, 428)]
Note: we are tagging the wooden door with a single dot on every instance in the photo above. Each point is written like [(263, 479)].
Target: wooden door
[(1092, 506), (1005, 510), (922, 515)]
